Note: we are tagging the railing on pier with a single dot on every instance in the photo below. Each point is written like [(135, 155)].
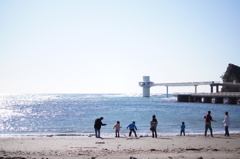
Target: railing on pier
[(226, 83), (185, 83), (197, 83)]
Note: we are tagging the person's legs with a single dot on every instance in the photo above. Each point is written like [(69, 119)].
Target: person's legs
[(210, 128), (135, 133), (130, 133), (155, 131), (226, 131), (184, 132), (206, 129), (97, 133), (117, 133)]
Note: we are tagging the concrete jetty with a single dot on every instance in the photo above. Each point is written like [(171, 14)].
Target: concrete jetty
[(217, 97), (146, 84)]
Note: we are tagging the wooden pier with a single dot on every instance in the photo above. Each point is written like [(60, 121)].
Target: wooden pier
[(217, 98)]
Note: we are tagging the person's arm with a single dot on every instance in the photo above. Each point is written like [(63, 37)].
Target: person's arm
[(213, 120), (135, 127), (103, 124), (224, 121)]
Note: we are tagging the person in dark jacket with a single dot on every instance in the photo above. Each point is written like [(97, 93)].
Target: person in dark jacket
[(97, 126), (153, 127)]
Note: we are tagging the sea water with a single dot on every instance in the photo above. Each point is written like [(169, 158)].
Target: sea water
[(72, 114)]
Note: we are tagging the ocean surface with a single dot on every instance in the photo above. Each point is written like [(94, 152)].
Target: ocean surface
[(74, 114)]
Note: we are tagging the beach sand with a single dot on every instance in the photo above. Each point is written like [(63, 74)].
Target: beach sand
[(163, 147)]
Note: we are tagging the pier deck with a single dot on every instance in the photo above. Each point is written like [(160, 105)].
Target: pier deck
[(219, 97)]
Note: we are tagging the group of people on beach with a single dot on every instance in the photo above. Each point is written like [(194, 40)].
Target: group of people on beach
[(153, 126), (208, 119), (132, 127)]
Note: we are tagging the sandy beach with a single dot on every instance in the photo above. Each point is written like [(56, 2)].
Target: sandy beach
[(163, 147)]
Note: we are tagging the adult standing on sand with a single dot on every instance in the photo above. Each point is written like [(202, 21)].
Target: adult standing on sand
[(208, 119), (97, 126), (153, 127), (226, 122)]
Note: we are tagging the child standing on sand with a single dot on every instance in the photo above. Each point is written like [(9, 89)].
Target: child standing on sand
[(117, 127), (182, 129), (132, 128)]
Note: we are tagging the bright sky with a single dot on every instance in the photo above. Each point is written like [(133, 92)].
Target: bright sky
[(79, 46)]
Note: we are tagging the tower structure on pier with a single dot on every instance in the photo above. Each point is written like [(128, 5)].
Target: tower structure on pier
[(146, 84)]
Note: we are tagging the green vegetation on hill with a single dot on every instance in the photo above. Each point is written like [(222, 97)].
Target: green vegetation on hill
[(232, 74)]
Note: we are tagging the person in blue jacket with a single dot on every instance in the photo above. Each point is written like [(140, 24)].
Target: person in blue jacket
[(132, 128), (182, 129)]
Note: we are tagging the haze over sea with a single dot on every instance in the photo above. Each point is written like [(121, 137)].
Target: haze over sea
[(74, 114)]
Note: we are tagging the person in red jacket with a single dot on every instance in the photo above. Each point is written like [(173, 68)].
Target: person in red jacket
[(208, 119)]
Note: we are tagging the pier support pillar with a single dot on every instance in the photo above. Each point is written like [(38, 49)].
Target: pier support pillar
[(146, 91), (230, 100), (190, 99), (217, 100), (195, 88), (207, 100), (197, 99), (211, 89), (167, 90), (146, 84)]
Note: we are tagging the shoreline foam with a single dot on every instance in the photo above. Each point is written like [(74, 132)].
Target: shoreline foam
[(108, 135)]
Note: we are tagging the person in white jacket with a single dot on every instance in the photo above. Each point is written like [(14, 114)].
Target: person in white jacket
[(117, 127), (226, 122)]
